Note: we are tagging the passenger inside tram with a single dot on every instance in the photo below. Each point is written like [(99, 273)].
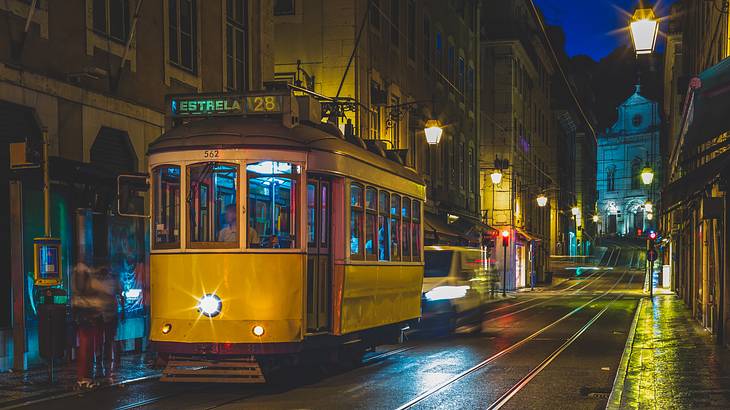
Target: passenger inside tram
[(230, 232)]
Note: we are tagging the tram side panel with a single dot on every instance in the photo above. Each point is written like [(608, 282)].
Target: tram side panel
[(255, 289)]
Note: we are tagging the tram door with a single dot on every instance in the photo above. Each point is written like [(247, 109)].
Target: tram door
[(319, 270)]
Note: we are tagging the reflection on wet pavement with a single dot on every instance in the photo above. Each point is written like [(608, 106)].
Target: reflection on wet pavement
[(673, 362)]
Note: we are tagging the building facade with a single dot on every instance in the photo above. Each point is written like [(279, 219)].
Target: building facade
[(625, 203), (521, 137), (695, 208), (392, 66), (92, 76)]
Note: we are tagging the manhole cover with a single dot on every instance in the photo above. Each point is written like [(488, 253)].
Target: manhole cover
[(595, 392)]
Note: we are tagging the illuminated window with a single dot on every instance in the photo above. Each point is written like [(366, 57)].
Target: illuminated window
[(371, 217), (383, 226), (166, 217), (211, 199), (273, 192), (183, 18), (395, 227), (236, 45), (356, 221), (111, 18)]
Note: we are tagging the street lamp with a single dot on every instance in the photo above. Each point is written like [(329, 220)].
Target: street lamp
[(647, 175), (433, 132), (496, 177), (575, 211), (542, 200), (644, 28), (596, 218), (648, 207)]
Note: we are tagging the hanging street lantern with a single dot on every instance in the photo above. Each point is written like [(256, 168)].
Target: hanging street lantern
[(433, 132), (648, 207), (496, 177), (644, 28), (647, 175), (575, 211), (596, 218), (542, 200)]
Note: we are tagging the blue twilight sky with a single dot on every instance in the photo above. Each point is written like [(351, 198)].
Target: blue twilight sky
[(591, 25)]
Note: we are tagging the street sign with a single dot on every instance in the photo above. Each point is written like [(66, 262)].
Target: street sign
[(651, 255)]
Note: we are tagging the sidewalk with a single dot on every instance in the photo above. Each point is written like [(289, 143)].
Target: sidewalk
[(19, 388), (670, 362)]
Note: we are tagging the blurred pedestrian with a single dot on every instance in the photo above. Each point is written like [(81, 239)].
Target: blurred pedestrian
[(85, 304), (95, 295)]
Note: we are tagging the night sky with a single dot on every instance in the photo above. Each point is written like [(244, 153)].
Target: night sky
[(591, 25)]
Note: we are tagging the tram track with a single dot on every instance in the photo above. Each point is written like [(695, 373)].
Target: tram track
[(492, 358)]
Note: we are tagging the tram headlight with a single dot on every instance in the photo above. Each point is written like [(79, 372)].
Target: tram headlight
[(210, 305), (446, 293), (258, 330)]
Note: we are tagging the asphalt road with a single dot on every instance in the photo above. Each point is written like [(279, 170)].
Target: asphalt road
[(556, 348)]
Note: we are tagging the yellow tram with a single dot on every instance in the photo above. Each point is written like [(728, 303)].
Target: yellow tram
[(274, 239)]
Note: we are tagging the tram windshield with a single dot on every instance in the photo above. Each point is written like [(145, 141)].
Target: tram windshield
[(212, 204), (272, 204)]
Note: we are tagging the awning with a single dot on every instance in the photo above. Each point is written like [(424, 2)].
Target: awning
[(693, 182), (708, 116), (525, 235), (439, 231), (471, 229)]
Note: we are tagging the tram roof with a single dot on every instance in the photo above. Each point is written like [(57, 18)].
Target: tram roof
[(257, 133)]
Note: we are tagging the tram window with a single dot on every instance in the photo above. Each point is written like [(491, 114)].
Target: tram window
[(416, 226), (406, 235), (212, 204), (383, 226), (166, 187), (371, 216), (356, 221), (311, 215), (395, 223), (272, 204)]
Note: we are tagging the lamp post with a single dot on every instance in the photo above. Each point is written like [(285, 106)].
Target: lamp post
[(433, 132), (644, 28)]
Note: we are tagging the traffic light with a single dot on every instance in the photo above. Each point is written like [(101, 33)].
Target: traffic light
[(505, 238)]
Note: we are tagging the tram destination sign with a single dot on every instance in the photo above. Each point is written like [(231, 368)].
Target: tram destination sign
[(225, 104)]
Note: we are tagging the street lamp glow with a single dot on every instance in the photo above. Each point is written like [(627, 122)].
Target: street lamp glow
[(649, 216), (647, 175), (433, 132), (542, 200), (644, 28), (648, 207), (575, 211), (595, 218), (496, 177)]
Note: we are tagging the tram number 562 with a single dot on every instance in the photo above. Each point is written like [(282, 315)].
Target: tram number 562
[(210, 154)]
